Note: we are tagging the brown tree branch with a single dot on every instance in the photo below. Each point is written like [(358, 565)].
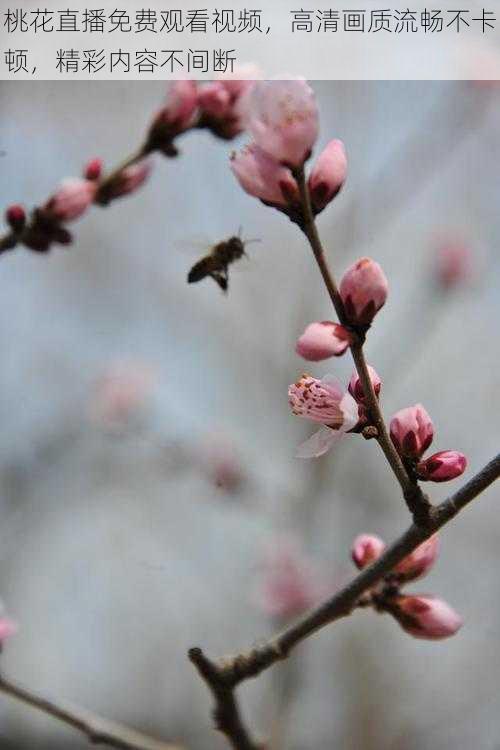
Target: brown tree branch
[(231, 671), (226, 712), (99, 731)]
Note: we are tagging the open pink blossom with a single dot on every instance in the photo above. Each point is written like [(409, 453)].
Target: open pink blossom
[(364, 290), (326, 402), (424, 616), (328, 175), (321, 340), (356, 389), (367, 548), (419, 562), (72, 199), (290, 583), (442, 466), (282, 118), (263, 177), (412, 431)]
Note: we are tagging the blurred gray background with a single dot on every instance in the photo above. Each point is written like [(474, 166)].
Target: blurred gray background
[(118, 552)]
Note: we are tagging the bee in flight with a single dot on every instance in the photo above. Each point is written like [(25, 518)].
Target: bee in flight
[(216, 263)]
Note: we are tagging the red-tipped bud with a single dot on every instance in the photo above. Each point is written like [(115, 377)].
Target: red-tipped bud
[(419, 562), (356, 389), (263, 177), (15, 217), (322, 340), (425, 616), (366, 548), (364, 290), (93, 170), (412, 431), (442, 466), (328, 175)]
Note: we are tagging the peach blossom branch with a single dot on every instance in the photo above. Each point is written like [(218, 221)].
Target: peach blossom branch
[(416, 500), (227, 673), (99, 731)]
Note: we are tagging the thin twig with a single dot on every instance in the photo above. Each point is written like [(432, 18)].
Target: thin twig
[(226, 712), (416, 500), (99, 731), (231, 671)]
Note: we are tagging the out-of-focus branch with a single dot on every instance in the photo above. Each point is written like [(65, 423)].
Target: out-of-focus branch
[(99, 731), (187, 107), (231, 671)]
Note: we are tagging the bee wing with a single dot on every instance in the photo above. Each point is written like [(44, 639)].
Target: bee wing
[(197, 245)]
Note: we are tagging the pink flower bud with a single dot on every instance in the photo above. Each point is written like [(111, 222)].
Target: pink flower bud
[(15, 217), (356, 389), (132, 178), (214, 99), (426, 616), (322, 340), (366, 548), (326, 402), (7, 628), (453, 264), (222, 105), (93, 170), (291, 584), (282, 117), (263, 177), (364, 290), (72, 199), (419, 562), (181, 104), (412, 431), (442, 466), (328, 175)]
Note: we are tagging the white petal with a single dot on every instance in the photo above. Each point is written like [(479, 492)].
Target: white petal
[(350, 411), (319, 443)]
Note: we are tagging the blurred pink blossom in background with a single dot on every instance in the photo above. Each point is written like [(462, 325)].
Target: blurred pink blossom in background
[(121, 392), (290, 582)]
